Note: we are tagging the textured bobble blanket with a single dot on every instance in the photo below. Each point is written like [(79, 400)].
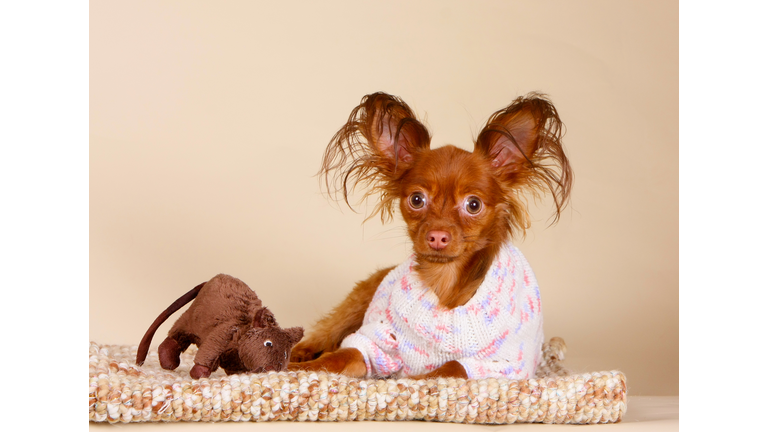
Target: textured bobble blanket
[(121, 392)]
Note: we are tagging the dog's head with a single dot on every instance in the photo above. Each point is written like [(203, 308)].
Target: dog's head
[(453, 201)]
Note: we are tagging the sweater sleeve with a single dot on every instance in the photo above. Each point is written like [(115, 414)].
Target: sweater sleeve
[(376, 339), (379, 360)]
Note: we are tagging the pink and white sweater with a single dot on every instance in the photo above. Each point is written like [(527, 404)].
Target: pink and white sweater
[(498, 333)]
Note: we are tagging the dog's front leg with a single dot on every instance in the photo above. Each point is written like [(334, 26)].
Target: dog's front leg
[(346, 361), (345, 319), (451, 369)]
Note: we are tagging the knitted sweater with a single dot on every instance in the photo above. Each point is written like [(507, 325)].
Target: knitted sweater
[(498, 333)]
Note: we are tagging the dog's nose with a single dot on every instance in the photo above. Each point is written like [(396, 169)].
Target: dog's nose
[(438, 239)]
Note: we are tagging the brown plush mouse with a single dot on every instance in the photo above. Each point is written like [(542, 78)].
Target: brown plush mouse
[(230, 328)]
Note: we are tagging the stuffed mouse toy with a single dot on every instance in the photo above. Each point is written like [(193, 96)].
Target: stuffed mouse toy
[(230, 327)]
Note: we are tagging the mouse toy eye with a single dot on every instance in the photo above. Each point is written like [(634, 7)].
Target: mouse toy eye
[(268, 343), (417, 200), (473, 205)]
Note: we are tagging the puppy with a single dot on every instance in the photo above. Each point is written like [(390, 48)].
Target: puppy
[(466, 303)]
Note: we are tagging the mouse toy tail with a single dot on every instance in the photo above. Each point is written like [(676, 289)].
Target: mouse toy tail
[(141, 355)]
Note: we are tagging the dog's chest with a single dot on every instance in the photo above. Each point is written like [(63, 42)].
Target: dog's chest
[(409, 314)]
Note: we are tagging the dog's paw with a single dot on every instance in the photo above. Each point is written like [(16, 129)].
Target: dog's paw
[(299, 366), (451, 369), (304, 352), (346, 361)]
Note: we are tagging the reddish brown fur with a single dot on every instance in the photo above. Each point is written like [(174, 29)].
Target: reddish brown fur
[(385, 148), (342, 321), (346, 361), (451, 369)]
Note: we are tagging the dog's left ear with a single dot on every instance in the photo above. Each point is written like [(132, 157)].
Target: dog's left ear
[(523, 145)]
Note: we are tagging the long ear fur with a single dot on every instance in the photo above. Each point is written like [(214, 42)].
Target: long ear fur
[(373, 149), (523, 142)]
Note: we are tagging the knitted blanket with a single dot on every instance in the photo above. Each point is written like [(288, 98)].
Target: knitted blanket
[(121, 392)]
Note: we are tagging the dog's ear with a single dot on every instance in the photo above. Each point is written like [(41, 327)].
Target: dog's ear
[(390, 126), (523, 145), (374, 148)]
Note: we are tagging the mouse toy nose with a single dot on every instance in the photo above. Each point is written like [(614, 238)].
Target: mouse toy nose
[(438, 240)]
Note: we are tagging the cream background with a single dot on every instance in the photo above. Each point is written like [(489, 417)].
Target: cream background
[(208, 122)]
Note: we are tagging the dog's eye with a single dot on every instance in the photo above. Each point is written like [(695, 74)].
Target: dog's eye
[(473, 205), (417, 200), (268, 343)]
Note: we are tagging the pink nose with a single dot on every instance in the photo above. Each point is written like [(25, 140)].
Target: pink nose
[(438, 239)]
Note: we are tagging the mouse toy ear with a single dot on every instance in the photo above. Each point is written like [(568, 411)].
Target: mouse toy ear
[(264, 318), (374, 148), (295, 334), (523, 145)]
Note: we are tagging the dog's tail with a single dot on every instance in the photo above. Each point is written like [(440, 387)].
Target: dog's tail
[(141, 355)]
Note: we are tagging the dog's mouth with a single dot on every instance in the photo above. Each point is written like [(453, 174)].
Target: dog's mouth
[(436, 258)]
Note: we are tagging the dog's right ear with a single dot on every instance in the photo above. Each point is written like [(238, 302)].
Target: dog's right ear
[(389, 125), (374, 148)]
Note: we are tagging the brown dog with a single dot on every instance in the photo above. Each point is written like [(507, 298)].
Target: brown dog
[(466, 303)]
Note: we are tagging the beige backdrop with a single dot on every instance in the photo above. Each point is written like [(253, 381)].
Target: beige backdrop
[(208, 121)]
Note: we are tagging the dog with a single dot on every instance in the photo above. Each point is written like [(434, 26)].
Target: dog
[(466, 304)]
